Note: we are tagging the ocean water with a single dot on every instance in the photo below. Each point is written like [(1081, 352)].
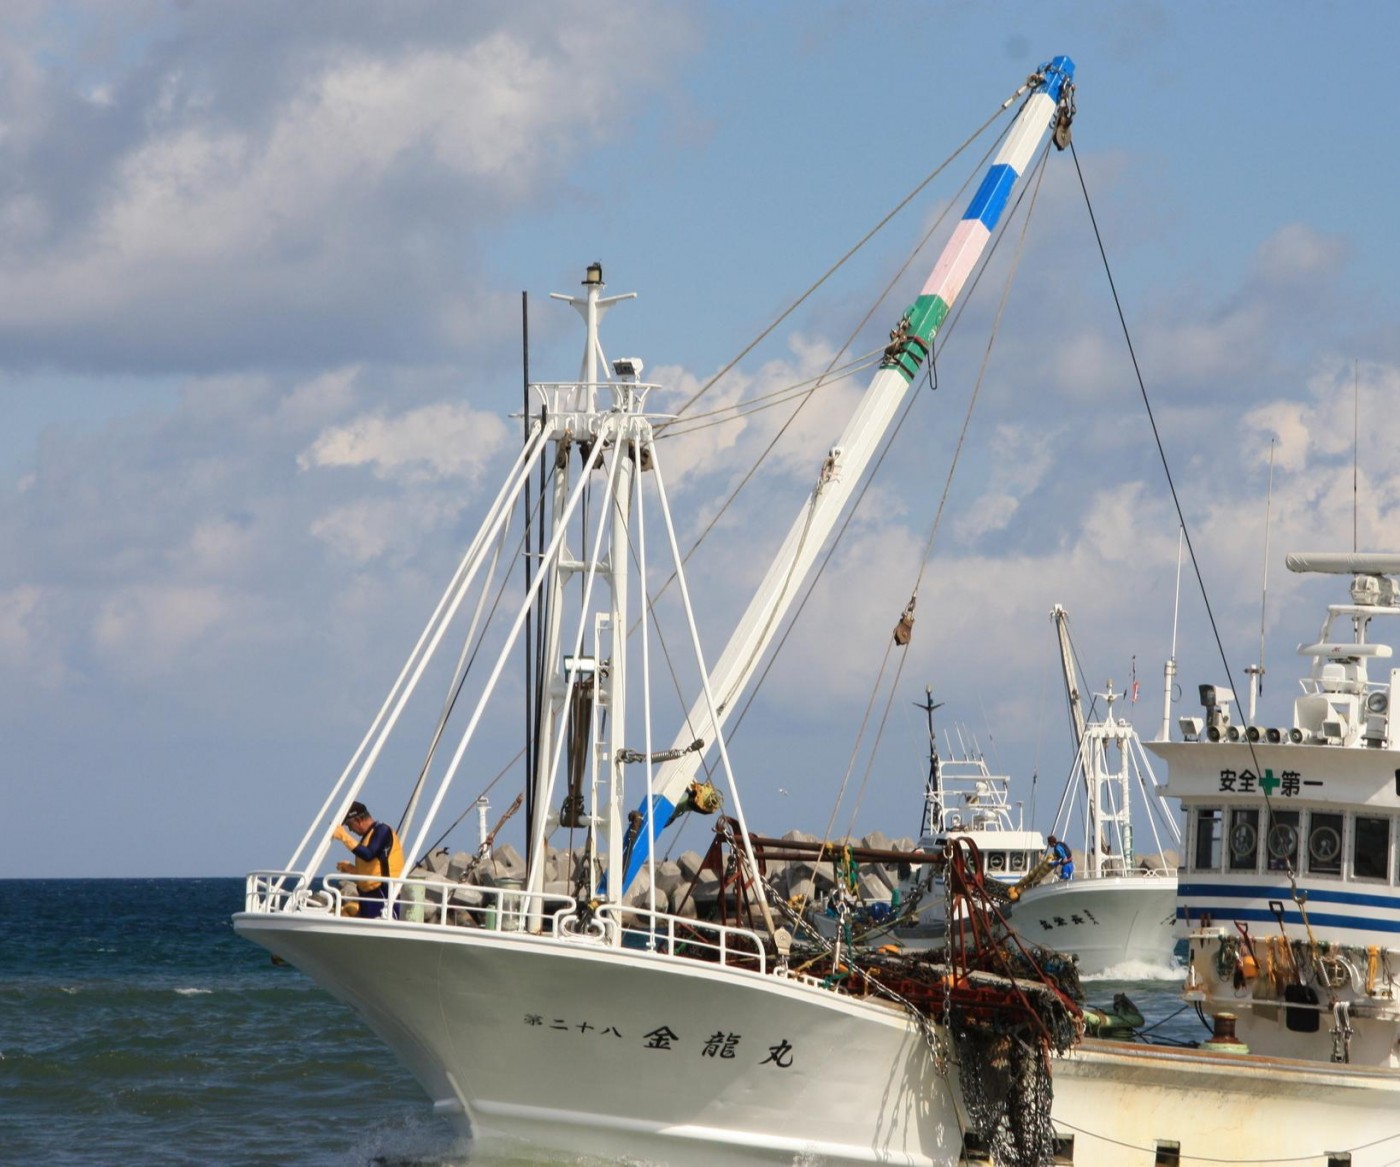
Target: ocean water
[(137, 1028)]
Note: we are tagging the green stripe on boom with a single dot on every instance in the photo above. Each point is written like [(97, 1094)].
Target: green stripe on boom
[(911, 341)]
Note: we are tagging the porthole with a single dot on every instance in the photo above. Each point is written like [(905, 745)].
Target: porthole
[(1243, 836), (1325, 844), (1283, 840)]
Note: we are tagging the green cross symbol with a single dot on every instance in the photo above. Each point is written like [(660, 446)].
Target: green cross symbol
[(1268, 784)]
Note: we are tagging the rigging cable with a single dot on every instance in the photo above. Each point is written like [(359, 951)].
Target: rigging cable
[(742, 409), (854, 507), (949, 327), (819, 381), (1299, 898), (889, 287), (1034, 190), (1151, 417), (469, 653), (831, 271)]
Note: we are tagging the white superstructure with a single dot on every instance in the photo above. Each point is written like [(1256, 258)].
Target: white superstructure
[(1290, 897)]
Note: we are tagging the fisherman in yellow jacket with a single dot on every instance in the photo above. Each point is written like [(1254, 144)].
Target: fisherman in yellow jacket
[(377, 853)]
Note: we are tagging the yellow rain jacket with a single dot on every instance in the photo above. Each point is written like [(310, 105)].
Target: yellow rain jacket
[(381, 861)]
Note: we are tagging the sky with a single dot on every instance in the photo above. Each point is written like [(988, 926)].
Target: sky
[(261, 276)]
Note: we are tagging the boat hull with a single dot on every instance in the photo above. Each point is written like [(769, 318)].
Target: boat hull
[(554, 1044), (1107, 922), (594, 1049), (1120, 1101)]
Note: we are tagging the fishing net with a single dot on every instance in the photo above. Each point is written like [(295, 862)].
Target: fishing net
[(1004, 1070)]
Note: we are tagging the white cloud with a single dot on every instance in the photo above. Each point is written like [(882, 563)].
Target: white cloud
[(1296, 254), (149, 627), (320, 398), (427, 444), (1019, 457), (347, 190), (26, 638), (374, 528)]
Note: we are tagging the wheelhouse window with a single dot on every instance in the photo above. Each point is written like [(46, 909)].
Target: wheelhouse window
[(1244, 840), (1018, 861), (1206, 854), (1370, 848), (1324, 843), (1281, 842)]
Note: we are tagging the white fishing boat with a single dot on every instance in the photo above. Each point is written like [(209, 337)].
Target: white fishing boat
[(578, 1004), (963, 799), (1289, 896), (1118, 912), (1119, 909), (574, 1005)]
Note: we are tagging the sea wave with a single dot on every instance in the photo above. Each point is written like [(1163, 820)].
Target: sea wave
[(1136, 970)]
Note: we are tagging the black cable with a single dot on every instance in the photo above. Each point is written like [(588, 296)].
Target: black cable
[(1151, 418)]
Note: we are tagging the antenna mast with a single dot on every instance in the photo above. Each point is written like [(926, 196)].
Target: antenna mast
[(1169, 669), (933, 788), (1256, 672)]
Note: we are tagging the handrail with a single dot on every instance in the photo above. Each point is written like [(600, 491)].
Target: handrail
[(268, 891), (685, 936), (416, 901), (440, 903)]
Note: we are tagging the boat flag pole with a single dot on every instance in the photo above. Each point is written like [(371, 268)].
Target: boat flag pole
[(1048, 104)]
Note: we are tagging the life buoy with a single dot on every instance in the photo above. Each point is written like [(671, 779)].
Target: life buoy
[(1336, 972)]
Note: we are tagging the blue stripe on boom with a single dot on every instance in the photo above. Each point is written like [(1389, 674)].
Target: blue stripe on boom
[(1252, 891), (991, 197), (662, 808)]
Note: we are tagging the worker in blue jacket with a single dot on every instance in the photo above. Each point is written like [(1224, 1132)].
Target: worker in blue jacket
[(1059, 852)]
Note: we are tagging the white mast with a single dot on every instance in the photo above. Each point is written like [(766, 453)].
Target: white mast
[(1169, 669)]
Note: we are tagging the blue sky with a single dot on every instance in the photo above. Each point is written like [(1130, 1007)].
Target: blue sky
[(259, 335)]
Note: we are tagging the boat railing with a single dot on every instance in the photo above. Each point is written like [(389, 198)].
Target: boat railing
[(273, 891), (503, 908), (1114, 868), (563, 397), (418, 901), (685, 936), (510, 908)]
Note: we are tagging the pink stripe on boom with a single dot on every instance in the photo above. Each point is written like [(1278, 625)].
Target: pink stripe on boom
[(958, 258)]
